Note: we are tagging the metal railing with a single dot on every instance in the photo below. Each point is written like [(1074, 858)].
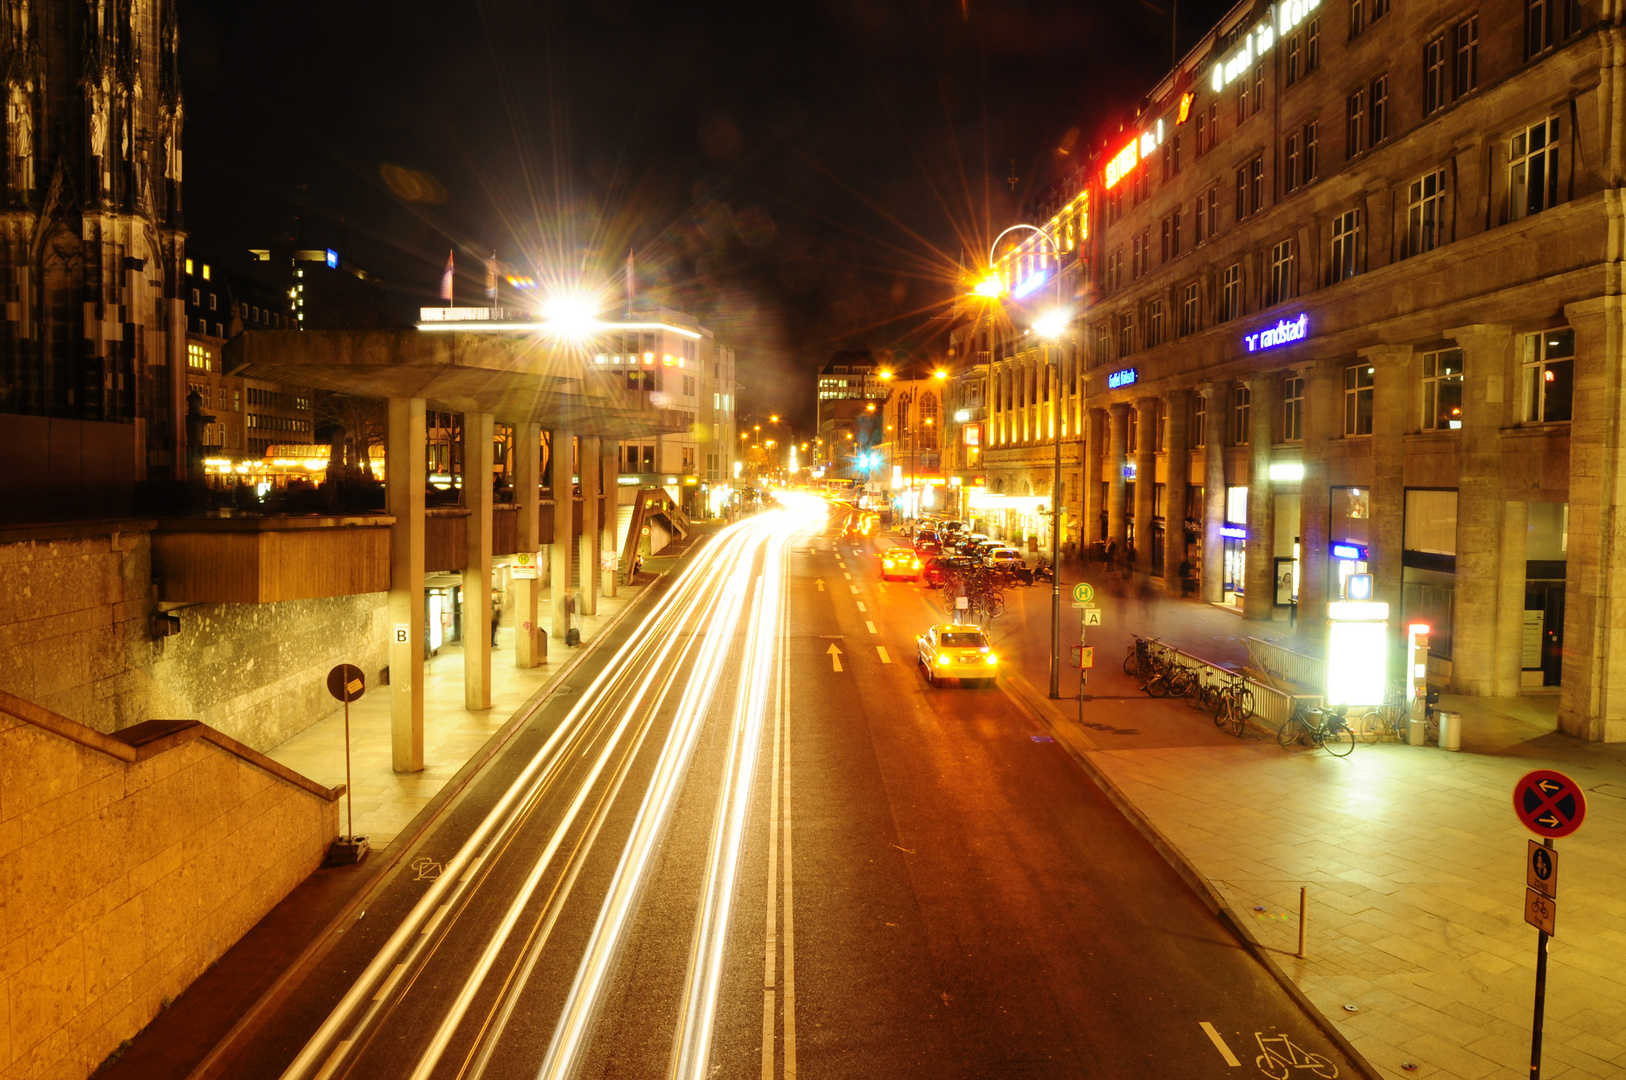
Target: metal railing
[(1271, 706), (1282, 665)]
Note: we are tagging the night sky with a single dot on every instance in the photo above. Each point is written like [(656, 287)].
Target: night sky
[(803, 176)]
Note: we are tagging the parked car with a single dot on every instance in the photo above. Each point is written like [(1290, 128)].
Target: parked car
[(1007, 560), (927, 540), (935, 568)]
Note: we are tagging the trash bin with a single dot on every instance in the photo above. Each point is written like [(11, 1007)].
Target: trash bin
[(1416, 733), (1450, 730)]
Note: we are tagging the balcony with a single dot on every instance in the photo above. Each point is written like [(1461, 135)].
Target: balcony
[(259, 560)]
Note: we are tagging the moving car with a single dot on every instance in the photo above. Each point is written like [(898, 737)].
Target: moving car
[(927, 541), (957, 651), (900, 562)]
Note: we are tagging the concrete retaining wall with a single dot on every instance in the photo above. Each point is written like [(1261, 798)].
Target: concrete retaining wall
[(123, 877)]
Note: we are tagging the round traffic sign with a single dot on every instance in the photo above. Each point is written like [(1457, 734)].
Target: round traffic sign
[(1549, 803), (346, 682), (1083, 592)]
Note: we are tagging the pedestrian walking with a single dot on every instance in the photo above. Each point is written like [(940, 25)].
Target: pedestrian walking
[(496, 615)]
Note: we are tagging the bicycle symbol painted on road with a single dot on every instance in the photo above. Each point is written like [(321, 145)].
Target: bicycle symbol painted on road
[(1279, 1056), (426, 868)]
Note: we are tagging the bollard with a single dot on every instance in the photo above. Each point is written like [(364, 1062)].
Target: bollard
[(1304, 917)]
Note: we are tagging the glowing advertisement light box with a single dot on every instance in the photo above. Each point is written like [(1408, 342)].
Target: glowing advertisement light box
[(1357, 662), (1284, 332)]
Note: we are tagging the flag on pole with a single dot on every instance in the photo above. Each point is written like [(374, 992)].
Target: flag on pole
[(446, 281)]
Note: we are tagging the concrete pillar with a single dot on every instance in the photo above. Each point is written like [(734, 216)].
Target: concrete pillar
[(1509, 672), (591, 460), (1391, 366), (1260, 599), (406, 475), (1323, 422), (1217, 395), (1592, 704), (1145, 481), (1117, 458), (1476, 604), (1177, 405), (564, 513), (610, 471), (530, 647), (1094, 446), (477, 436)]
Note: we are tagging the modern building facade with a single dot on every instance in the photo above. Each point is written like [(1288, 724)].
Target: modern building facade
[(1351, 305)]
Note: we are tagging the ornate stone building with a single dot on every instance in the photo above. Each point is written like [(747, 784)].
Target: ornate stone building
[(91, 233)]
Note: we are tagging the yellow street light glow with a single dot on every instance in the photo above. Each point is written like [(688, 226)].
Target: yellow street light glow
[(990, 286), (939, 374), (886, 375), (1052, 324), (773, 419)]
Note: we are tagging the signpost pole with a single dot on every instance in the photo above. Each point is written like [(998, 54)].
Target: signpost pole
[(1541, 995), (1083, 672)]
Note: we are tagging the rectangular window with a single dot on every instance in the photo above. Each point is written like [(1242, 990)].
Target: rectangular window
[(1165, 233), (1188, 309), (1433, 76), (1132, 433), (1442, 390), (1281, 273), (1231, 293), (1378, 115), (1310, 147), (1202, 133), (1346, 242), (1533, 170), (1236, 504), (1358, 400), (1425, 213), (1549, 376), (1378, 9), (1259, 86), (1290, 65), (1241, 415), (1354, 123), (1160, 438), (1293, 410), (1113, 277), (1154, 323), (1290, 162), (1126, 334), (1174, 234), (1357, 18), (1199, 421), (1538, 26), (1312, 45), (1244, 89), (1465, 66), (1242, 193), (1256, 185)]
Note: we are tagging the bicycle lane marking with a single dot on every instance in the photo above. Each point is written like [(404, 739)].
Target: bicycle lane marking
[(1219, 1044)]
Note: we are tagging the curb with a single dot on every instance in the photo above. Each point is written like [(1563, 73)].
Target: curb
[(1039, 708), (389, 859)]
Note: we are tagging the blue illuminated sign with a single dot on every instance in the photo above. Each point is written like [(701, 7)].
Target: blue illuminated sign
[(1034, 280), (1129, 470), (1126, 377), (1235, 532), (1348, 551), (1283, 333), (332, 259)]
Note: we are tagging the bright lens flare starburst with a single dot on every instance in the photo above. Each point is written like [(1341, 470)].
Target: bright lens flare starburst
[(571, 315)]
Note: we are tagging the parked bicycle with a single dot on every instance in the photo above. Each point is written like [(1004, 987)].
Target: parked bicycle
[(1324, 727), (1234, 705), (1141, 656), (1386, 721)]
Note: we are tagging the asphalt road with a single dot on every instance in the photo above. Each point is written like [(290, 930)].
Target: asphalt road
[(736, 851)]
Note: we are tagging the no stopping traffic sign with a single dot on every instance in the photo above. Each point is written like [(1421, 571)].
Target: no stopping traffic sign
[(1549, 803)]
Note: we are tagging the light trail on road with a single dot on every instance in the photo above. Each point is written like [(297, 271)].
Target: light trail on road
[(721, 620)]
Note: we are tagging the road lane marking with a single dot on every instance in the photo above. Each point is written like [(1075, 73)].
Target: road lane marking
[(870, 625), (820, 583), (389, 984), (1219, 1044), (434, 920), (861, 606), (835, 657), (853, 589), (885, 659), (333, 1059), (848, 576)]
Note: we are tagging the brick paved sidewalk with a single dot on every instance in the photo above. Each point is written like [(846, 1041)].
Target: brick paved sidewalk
[(1412, 855)]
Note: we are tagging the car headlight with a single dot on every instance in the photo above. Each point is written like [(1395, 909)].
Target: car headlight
[(993, 659)]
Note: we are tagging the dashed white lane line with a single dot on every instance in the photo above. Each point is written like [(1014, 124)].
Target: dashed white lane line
[(854, 589), (334, 1059), (1219, 1044), (846, 575), (870, 625), (861, 606), (885, 659), (434, 920), (389, 982)]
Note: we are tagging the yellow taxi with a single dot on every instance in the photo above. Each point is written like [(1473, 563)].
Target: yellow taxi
[(956, 651), (900, 562)]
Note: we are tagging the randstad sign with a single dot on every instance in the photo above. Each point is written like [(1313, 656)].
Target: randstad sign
[(1283, 333)]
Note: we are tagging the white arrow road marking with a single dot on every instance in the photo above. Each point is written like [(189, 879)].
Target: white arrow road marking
[(835, 657), (1219, 1044), (820, 583), (885, 659)]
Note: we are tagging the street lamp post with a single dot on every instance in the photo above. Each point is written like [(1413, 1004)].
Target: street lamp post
[(1055, 330)]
